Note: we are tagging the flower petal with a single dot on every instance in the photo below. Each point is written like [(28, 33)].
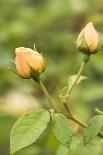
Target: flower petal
[(91, 36), (21, 63)]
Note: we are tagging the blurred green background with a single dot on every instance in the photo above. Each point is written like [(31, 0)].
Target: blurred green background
[(53, 25)]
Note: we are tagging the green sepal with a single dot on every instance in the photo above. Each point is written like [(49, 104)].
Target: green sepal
[(83, 47), (35, 75), (86, 57)]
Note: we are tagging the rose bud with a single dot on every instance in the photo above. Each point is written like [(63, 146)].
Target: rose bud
[(29, 63), (88, 39)]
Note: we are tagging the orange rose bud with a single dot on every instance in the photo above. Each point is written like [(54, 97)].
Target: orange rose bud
[(29, 63), (88, 39)]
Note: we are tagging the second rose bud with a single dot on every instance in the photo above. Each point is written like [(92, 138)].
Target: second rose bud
[(88, 39), (29, 63)]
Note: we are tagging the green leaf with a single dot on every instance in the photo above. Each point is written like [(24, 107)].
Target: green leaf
[(94, 126), (28, 128), (98, 111), (72, 78), (61, 129), (62, 150)]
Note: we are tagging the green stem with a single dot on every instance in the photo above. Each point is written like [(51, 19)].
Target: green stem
[(52, 104), (83, 125), (72, 117), (78, 122), (68, 110), (71, 88), (76, 80), (85, 60)]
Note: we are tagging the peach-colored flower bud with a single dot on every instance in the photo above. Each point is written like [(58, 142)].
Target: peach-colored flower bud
[(27, 61), (88, 39)]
